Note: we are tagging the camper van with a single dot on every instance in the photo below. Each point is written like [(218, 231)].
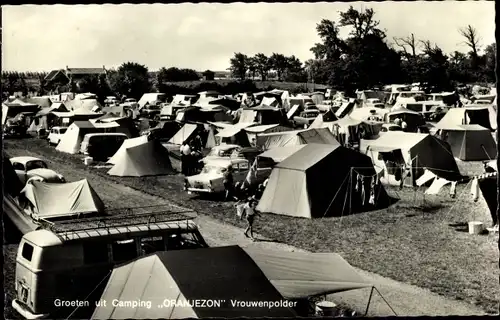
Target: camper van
[(58, 267), (101, 146)]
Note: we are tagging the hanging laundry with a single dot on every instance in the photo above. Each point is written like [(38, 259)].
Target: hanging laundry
[(436, 186), (453, 189), (474, 190), (372, 197), (363, 192), (358, 182)]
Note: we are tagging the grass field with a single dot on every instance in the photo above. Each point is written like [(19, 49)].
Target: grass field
[(419, 240)]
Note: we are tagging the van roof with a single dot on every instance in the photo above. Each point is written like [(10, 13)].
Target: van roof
[(43, 238)]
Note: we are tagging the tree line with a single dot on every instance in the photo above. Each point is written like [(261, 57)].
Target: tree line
[(366, 58), (285, 68)]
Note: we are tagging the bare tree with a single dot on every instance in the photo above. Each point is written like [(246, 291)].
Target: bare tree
[(471, 38), (409, 42), (427, 46)]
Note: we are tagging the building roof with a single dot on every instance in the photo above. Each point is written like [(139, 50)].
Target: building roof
[(52, 74), (85, 70)]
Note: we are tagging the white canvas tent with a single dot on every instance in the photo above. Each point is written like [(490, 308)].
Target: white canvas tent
[(482, 115), (72, 138), (128, 143), (149, 98), (52, 200), (183, 134), (149, 158)]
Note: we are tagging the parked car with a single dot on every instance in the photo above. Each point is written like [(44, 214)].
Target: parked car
[(305, 118), (15, 128), (101, 146), (211, 178), (231, 151), (55, 135), (390, 127), (110, 101), (31, 167)]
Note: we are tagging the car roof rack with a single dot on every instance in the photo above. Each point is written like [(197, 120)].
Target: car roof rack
[(122, 221)]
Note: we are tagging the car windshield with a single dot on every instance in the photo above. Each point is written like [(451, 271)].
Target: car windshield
[(213, 169), (36, 164), (62, 130)]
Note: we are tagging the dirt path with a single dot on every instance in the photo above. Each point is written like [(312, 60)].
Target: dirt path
[(406, 300)]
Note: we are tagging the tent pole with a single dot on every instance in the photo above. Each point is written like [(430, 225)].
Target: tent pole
[(369, 301), (387, 303)]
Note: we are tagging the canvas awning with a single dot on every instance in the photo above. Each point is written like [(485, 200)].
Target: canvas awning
[(299, 275), (262, 128)]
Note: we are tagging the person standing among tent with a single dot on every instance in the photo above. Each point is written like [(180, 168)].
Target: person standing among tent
[(229, 182), (250, 213), (197, 144), (185, 154)]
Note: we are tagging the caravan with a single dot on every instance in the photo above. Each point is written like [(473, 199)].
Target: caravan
[(69, 261)]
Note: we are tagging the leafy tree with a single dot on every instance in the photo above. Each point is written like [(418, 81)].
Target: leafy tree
[(280, 63), (176, 75), (262, 64), (252, 66), (131, 79), (239, 65)]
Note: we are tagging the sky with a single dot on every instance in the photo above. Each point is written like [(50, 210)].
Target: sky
[(206, 36)]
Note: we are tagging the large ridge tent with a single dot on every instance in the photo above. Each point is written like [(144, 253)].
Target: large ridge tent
[(471, 142), (150, 98), (72, 138), (234, 134), (222, 274), (184, 134), (484, 116), (285, 138), (12, 109), (185, 275), (148, 158), (280, 153), (52, 200), (417, 151), (412, 118), (293, 187)]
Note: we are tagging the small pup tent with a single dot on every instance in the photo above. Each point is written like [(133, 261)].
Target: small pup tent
[(128, 143), (149, 158), (322, 180), (53, 200)]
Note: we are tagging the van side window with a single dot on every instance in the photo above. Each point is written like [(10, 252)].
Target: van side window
[(27, 252), (153, 244), (95, 253), (124, 250)]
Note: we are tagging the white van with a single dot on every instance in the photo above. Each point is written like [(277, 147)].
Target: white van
[(102, 145), (57, 269)]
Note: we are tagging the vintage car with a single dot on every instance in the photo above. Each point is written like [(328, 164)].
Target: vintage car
[(211, 178), (31, 167), (15, 128), (305, 118), (390, 127), (55, 134), (231, 151)]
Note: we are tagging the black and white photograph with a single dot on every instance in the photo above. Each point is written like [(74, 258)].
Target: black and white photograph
[(278, 160)]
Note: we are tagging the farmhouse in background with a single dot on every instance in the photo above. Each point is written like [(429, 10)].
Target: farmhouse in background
[(68, 75), (208, 75)]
